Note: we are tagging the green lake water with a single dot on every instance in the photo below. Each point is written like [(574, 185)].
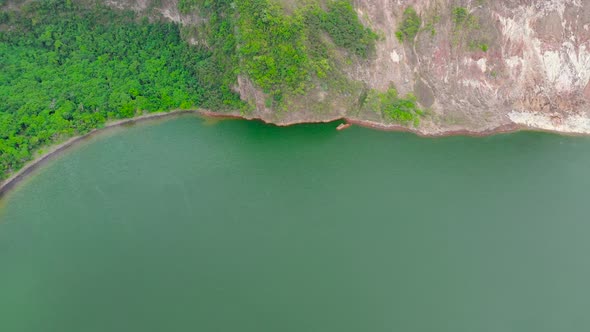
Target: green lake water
[(183, 225)]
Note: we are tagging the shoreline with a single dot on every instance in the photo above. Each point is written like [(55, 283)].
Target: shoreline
[(55, 150), (508, 128)]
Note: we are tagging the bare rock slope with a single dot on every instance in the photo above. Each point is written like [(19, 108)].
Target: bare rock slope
[(527, 63)]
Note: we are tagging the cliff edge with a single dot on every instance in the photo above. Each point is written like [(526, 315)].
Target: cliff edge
[(471, 65)]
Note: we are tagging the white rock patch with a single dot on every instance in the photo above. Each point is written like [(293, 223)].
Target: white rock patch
[(552, 63), (574, 124), (395, 57), (568, 68), (174, 17), (482, 64), (474, 84), (548, 6), (514, 61)]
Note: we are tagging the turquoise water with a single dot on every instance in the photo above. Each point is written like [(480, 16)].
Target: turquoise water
[(182, 225)]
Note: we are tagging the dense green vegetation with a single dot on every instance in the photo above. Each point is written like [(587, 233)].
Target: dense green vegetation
[(281, 53), (409, 26), (219, 69), (392, 107), (65, 74), (186, 6), (403, 110), (343, 25), (272, 47)]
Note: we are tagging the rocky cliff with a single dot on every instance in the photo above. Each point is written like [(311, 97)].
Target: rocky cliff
[(473, 65), (535, 69)]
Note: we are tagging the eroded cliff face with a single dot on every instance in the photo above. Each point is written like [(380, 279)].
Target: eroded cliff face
[(518, 64), (534, 72)]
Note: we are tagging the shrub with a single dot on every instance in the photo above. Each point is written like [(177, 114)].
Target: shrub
[(403, 110), (460, 15), (342, 24), (463, 19), (410, 25)]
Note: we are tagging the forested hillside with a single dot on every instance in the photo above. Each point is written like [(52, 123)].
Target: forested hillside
[(65, 70)]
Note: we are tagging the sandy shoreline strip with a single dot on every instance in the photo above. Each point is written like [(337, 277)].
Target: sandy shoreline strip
[(56, 150)]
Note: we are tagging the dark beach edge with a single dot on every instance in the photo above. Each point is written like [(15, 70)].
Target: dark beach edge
[(56, 150)]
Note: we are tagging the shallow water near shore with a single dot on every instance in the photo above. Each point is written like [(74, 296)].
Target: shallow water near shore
[(180, 225)]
